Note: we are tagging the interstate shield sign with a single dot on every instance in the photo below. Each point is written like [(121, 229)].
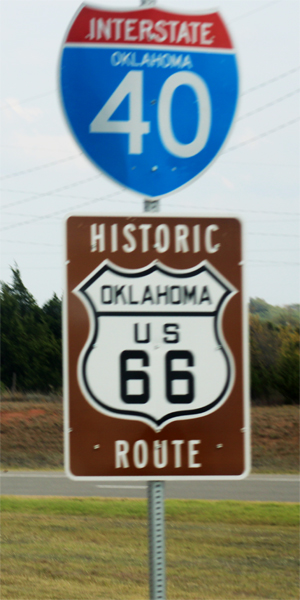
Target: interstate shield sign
[(155, 361), (149, 95)]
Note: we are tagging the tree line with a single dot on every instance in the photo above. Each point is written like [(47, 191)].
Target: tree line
[(31, 345)]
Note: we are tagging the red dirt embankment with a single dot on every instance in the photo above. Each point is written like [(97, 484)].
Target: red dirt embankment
[(32, 435)]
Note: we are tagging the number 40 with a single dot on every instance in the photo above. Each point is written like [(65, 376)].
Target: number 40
[(136, 128)]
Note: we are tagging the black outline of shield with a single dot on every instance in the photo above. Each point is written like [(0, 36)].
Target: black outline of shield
[(137, 414)]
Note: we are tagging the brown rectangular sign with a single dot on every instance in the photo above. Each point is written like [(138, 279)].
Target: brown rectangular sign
[(155, 355)]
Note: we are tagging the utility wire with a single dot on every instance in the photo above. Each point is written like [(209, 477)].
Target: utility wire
[(93, 200), (12, 214), (60, 212), (253, 164), (253, 139), (18, 103), (31, 243), (262, 135), (20, 146), (235, 210), (260, 108), (73, 157), (46, 165), (249, 263), (275, 250), (49, 253), (289, 235), (270, 262), (264, 83), (256, 220), (60, 246), (109, 197), (255, 10), (51, 192), (268, 81)]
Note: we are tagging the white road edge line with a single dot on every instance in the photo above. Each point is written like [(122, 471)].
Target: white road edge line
[(122, 487)]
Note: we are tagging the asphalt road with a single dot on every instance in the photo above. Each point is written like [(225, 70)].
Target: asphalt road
[(264, 488)]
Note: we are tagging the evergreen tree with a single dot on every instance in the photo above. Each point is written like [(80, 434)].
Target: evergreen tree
[(52, 311), (30, 349)]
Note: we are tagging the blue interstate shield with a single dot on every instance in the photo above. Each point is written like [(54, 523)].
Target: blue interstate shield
[(149, 95)]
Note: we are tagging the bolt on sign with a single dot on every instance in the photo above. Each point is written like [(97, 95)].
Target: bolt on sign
[(154, 323)]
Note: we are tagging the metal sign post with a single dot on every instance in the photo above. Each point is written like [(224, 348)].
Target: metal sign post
[(156, 525), (156, 507), (156, 496), (155, 353)]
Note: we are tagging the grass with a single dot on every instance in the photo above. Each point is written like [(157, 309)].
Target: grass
[(32, 435), (73, 549)]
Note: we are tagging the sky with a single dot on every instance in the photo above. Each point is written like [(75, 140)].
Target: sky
[(45, 176)]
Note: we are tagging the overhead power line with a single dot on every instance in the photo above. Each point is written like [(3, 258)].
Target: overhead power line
[(44, 166), (262, 135), (109, 197), (73, 157), (18, 103), (236, 211), (248, 263), (271, 263), (60, 246), (51, 192), (264, 83), (25, 145), (291, 220), (190, 206), (289, 235), (60, 212), (259, 164), (269, 81), (92, 200), (49, 253), (274, 250), (12, 214), (31, 243), (255, 10), (260, 108)]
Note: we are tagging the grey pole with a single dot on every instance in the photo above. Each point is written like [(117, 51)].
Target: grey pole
[(156, 491), (156, 525), (156, 510)]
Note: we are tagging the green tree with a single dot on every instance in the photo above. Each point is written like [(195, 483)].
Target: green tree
[(274, 359), (287, 372), (30, 349), (264, 351), (52, 311), (279, 315)]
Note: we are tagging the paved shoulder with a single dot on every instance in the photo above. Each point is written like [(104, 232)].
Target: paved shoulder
[(265, 488)]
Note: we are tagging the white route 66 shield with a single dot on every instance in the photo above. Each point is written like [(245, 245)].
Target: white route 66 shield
[(155, 351)]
